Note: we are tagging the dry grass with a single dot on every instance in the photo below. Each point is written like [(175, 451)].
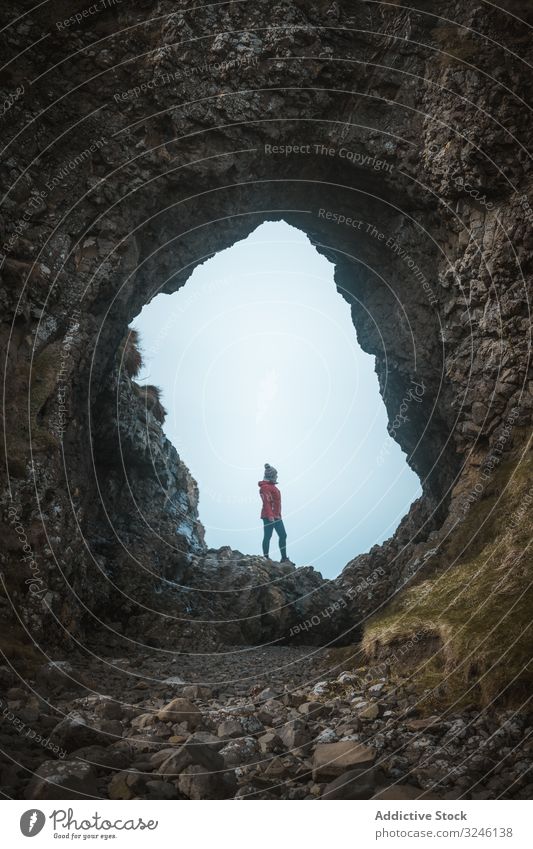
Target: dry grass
[(132, 360), (478, 611), (151, 395)]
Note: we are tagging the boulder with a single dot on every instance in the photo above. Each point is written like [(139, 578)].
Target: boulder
[(432, 724), (191, 753), (333, 759), (63, 780), (74, 732), (277, 768), (270, 742), (313, 710), (128, 784), (102, 757), (266, 695), (295, 734), (206, 738), (158, 758), (327, 735), (29, 710), (251, 724), (195, 783), (111, 728), (109, 709), (355, 784), (144, 720), (369, 713), (272, 713), (351, 726), (177, 739), (238, 752), (181, 710), (292, 699), (230, 728), (155, 789)]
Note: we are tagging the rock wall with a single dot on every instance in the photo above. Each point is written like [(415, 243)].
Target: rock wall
[(152, 137), (183, 594)]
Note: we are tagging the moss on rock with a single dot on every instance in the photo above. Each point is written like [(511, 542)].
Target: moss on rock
[(477, 611)]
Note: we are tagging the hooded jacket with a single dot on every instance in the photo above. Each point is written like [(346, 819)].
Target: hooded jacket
[(271, 498)]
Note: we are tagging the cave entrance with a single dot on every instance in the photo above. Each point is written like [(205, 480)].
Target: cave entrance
[(258, 361)]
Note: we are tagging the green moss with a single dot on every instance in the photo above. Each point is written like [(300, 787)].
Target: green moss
[(344, 659), (44, 377), (480, 607)]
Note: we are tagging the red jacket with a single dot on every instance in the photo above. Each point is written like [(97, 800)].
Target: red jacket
[(271, 497)]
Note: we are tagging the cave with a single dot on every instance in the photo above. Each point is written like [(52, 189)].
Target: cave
[(395, 139), (260, 349), (378, 298)]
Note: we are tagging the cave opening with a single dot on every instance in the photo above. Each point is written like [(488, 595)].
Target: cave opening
[(257, 360), (148, 534), (145, 145)]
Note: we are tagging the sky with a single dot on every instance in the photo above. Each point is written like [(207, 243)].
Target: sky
[(258, 361)]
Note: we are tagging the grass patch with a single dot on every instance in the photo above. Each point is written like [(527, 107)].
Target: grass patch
[(478, 611), (344, 659)]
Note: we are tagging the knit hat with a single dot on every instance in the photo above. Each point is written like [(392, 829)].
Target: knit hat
[(270, 472)]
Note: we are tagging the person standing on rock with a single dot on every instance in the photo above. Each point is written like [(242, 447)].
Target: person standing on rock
[(271, 512)]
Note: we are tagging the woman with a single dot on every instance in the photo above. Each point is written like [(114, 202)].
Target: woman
[(271, 512)]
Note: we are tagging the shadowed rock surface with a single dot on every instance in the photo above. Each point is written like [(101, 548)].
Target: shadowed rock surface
[(410, 123)]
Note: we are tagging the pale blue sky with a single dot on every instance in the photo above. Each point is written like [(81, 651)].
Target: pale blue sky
[(258, 361)]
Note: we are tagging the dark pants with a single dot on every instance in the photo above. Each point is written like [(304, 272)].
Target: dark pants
[(278, 526)]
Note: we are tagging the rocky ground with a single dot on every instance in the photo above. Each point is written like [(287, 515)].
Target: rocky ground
[(250, 723)]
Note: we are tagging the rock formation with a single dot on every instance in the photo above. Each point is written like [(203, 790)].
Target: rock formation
[(142, 140)]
